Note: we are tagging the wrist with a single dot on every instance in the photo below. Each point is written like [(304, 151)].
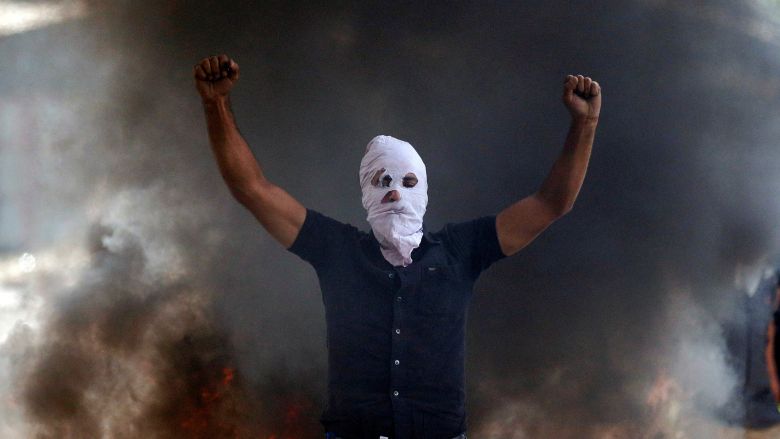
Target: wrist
[(215, 100), (585, 120)]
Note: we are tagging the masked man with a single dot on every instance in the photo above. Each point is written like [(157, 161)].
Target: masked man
[(396, 297)]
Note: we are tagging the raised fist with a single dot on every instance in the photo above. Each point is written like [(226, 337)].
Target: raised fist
[(215, 76), (582, 96)]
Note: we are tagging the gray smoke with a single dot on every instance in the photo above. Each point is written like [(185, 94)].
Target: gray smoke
[(146, 272)]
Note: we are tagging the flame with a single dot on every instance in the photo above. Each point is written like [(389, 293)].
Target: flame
[(204, 418), (293, 417), (211, 413), (228, 374), (293, 414)]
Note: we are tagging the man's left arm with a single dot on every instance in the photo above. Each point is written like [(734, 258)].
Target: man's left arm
[(520, 223)]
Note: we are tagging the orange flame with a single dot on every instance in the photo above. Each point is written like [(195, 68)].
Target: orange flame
[(202, 420), (228, 374)]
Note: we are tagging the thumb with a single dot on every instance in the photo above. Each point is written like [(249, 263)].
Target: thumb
[(569, 84), (233, 70)]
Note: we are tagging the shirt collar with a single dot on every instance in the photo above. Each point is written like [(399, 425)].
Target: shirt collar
[(430, 237), (427, 240)]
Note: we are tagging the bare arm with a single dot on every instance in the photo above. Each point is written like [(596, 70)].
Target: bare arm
[(520, 223), (279, 213)]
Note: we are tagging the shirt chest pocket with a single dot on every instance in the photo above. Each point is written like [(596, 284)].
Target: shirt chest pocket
[(440, 292)]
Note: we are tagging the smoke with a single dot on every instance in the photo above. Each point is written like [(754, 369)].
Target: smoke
[(694, 393), (150, 349), (113, 320), (135, 348)]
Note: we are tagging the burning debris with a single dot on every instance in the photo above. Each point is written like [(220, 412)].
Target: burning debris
[(121, 357), (132, 351)]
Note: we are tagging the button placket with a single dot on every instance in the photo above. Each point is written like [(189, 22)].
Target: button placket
[(398, 380)]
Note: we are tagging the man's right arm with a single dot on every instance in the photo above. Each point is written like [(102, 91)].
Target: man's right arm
[(279, 213)]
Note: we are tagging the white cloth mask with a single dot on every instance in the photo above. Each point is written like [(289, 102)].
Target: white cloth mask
[(397, 225)]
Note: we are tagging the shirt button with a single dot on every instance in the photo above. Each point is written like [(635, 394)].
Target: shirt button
[(391, 275), (397, 362), (399, 298), (395, 393), (397, 331)]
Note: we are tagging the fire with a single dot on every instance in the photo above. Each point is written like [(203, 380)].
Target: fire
[(222, 410), (206, 416), (167, 367), (294, 413), (228, 374)]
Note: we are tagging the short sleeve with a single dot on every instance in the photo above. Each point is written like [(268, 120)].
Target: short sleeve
[(320, 239), (475, 243)]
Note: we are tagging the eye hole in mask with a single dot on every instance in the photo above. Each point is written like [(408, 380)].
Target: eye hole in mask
[(384, 179)]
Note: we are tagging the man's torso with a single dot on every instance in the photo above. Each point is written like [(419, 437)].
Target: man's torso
[(396, 335)]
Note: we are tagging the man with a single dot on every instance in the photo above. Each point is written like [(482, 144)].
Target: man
[(395, 298)]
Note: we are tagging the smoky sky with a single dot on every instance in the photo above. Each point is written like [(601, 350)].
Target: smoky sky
[(680, 191)]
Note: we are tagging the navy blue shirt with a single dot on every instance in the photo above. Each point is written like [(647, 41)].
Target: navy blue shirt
[(396, 335)]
